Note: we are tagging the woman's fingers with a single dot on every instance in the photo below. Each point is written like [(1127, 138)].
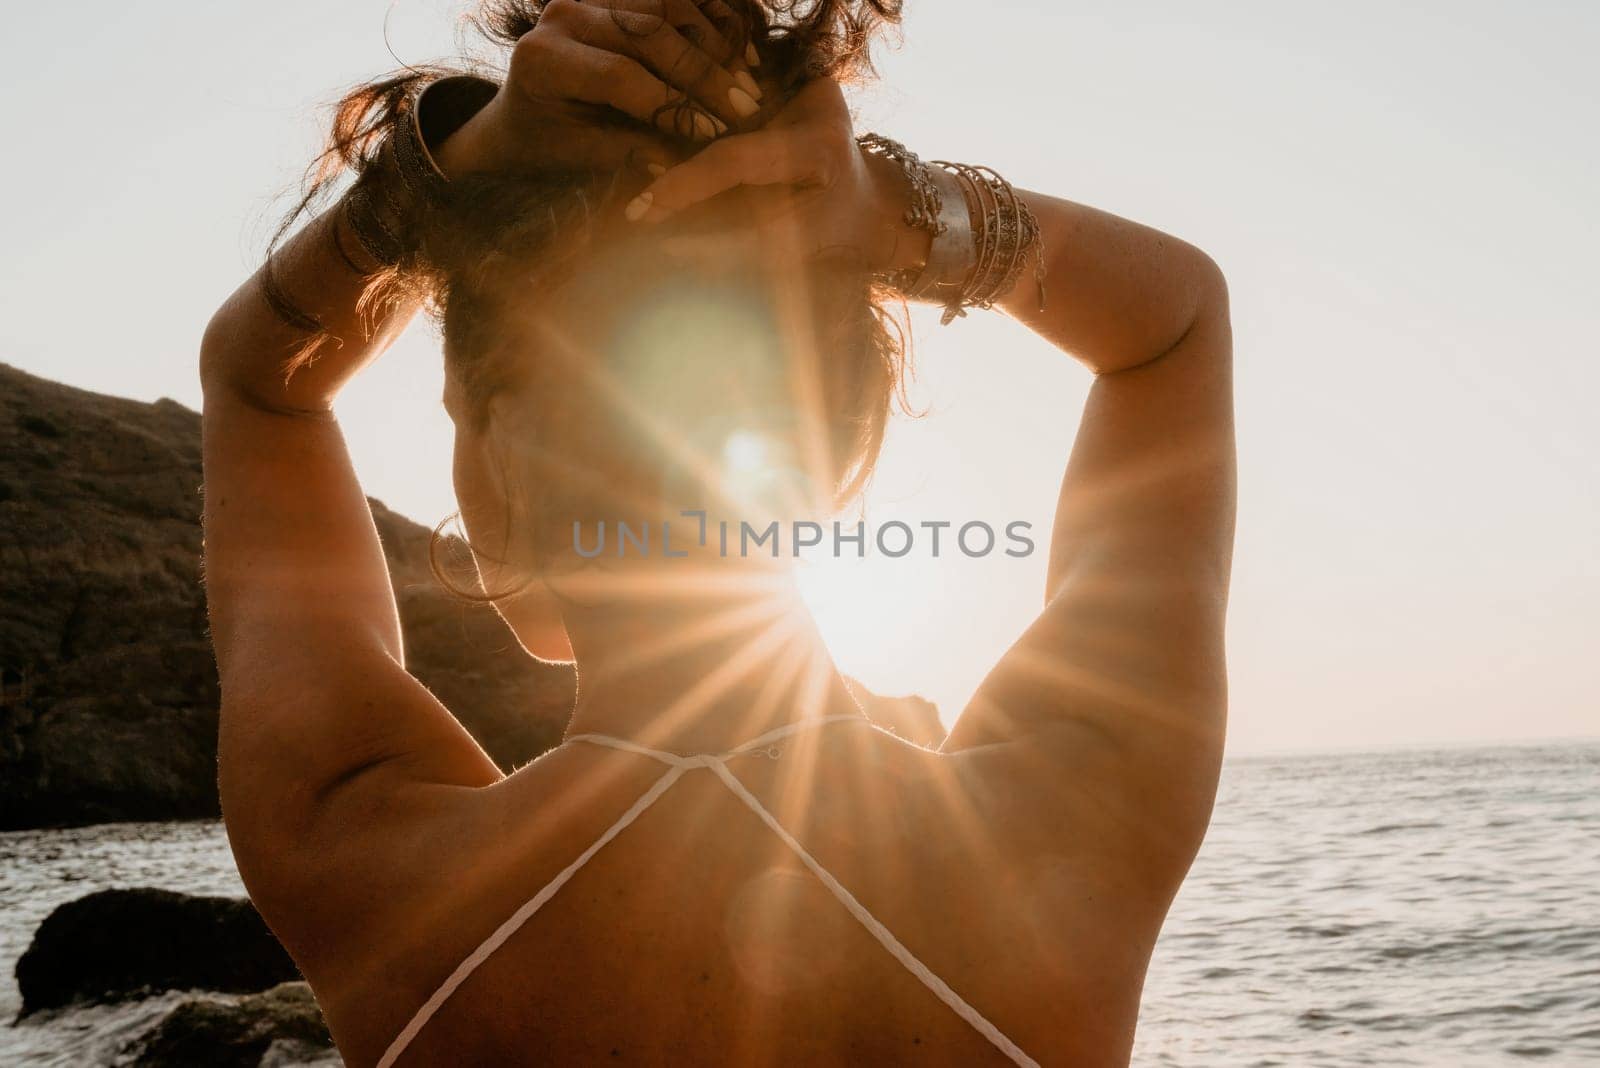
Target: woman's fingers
[(694, 25), (564, 69), (689, 20), (652, 39), (766, 157), (686, 66), (728, 24)]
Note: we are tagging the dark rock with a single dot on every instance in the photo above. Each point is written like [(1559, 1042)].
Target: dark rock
[(238, 1032), (115, 945), (108, 692)]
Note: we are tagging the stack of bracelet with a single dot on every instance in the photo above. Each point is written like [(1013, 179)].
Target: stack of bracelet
[(1008, 234), (983, 234), (401, 181), (380, 207), (396, 186)]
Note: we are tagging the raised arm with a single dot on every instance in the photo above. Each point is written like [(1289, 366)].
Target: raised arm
[(1121, 682), (303, 621)]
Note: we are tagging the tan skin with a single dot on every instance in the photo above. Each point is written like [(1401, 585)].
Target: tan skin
[(1029, 862)]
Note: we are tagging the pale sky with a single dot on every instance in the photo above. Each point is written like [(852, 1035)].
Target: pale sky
[(1403, 198)]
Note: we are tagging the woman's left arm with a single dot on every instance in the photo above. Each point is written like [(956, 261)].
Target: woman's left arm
[(303, 620), (307, 637)]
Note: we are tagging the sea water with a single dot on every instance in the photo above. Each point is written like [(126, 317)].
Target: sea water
[(1408, 907)]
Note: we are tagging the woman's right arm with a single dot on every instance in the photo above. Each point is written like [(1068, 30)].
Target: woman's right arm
[(1122, 677)]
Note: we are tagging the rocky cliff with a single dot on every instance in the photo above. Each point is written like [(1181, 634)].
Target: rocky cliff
[(108, 693)]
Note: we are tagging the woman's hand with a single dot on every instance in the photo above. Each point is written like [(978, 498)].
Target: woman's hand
[(606, 83), (809, 190)]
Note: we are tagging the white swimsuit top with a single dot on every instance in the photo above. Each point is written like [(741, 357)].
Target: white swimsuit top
[(677, 766)]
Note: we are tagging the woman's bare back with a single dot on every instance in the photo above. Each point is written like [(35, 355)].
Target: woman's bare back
[(697, 935)]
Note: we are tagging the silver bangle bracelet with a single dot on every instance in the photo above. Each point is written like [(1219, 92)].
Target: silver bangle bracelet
[(953, 252)]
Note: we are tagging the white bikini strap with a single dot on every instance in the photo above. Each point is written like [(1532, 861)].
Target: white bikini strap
[(520, 917), (677, 765), (896, 949)]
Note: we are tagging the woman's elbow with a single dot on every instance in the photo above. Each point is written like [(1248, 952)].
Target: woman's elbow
[(1205, 283), (217, 345)]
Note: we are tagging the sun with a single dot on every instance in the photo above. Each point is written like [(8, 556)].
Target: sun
[(854, 604)]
